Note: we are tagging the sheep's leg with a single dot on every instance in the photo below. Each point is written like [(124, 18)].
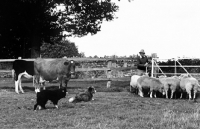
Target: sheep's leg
[(181, 96), (166, 92), (172, 93), (151, 92), (141, 93), (155, 95), (190, 96), (195, 92)]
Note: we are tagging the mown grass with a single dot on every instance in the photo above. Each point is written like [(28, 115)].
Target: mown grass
[(113, 108)]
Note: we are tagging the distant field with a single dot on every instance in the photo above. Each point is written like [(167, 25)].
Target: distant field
[(113, 108)]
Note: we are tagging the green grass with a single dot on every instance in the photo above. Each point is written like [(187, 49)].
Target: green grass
[(113, 108)]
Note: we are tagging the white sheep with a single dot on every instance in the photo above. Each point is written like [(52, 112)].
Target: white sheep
[(170, 83), (188, 84), (133, 84), (154, 84)]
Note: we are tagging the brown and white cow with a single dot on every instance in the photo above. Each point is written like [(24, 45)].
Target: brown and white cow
[(54, 69)]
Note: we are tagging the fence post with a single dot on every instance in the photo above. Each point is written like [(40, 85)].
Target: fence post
[(109, 78), (125, 64), (153, 69), (114, 64), (175, 67), (109, 64), (152, 65)]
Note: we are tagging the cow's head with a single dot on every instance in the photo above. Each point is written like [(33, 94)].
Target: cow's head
[(71, 67)]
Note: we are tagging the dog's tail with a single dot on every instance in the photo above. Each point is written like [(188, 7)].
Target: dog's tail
[(72, 99)]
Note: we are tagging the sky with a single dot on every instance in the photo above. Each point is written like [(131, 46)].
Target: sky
[(170, 28)]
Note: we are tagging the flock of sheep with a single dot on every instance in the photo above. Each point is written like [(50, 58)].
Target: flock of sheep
[(176, 84)]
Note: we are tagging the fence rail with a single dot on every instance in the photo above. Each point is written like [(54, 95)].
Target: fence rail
[(90, 69), (75, 59), (110, 65), (175, 66)]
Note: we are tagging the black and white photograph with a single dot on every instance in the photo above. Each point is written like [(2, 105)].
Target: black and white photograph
[(100, 64)]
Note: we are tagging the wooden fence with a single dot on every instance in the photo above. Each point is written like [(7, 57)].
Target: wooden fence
[(112, 67)]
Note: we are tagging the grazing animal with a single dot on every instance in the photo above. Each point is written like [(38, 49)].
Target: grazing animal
[(55, 69), (188, 84), (150, 83), (22, 68), (170, 83), (86, 96), (52, 95), (133, 84)]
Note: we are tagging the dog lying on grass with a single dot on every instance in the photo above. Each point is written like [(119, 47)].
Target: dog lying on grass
[(86, 96), (52, 95)]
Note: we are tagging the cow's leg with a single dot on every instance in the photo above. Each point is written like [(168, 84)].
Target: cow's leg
[(16, 86), (17, 83), (35, 82), (42, 82), (60, 79), (20, 85), (37, 86), (66, 82)]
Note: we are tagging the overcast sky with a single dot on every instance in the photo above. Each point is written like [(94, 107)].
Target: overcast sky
[(170, 28)]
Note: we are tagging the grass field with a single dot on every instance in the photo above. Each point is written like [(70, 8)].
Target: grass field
[(113, 108)]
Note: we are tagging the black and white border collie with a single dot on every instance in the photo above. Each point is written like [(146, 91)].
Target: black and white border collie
[(86, 96), (52, 95)]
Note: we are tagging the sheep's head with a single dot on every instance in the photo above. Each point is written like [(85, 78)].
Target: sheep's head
[(161, 89)]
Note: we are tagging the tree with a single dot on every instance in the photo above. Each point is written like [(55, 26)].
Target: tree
[(96, 56), (59, 50), (82, 54), (26, 24)]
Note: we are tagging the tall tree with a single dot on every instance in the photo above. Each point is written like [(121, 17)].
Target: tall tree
[(59, 50), (25, 24)]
